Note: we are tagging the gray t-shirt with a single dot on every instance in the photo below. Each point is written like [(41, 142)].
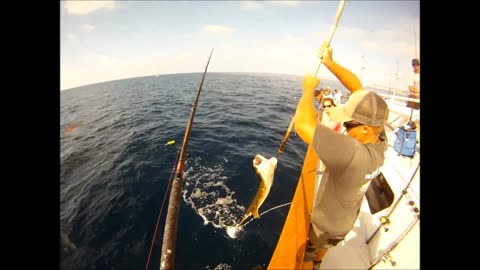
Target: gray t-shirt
[(350, 166)]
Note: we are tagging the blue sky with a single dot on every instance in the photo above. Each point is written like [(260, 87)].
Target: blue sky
[(109, 40)]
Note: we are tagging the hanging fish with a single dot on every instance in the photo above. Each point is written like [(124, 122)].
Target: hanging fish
[(265, 169)]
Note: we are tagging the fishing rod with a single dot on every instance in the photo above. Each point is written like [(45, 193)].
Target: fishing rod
[(167, 258), (386, 219), (332, 31), (386, 254)]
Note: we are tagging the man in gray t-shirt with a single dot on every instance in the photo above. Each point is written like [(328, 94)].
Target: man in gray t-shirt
[(351, 160)]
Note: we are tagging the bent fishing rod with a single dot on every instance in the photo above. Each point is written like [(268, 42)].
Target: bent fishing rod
[(167, 258), (332, 31)]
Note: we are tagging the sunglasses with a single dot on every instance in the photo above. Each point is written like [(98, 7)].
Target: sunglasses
[(351, 124), (327, 106)]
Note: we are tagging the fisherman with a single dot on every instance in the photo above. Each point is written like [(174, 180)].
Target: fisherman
[(352, 161)]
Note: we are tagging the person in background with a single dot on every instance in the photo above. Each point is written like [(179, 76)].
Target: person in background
[(352, 161), (322, 94), (317, 94), (337, 97), (414, 88), (327, 93), (327, 121), (414, 84)]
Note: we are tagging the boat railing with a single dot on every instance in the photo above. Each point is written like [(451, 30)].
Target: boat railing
[(400, 98)]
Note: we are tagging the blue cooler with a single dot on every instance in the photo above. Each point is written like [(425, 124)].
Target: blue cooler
[(406, 142)]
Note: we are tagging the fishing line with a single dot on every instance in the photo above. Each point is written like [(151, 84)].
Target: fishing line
[(273, 208), (161, 210)]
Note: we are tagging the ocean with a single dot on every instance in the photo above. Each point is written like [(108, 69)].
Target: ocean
[(116, 165)]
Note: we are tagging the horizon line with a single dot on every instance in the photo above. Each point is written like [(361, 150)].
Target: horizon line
[(378, 86)]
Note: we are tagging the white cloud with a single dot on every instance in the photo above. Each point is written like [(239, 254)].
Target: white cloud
[(371, 45), (95, 68), (106, 60), (257, 42), (285, 3), (85, 7), (88, 27), (218, 29), (252, 5), (290, 54), (350, 32), (291, 41)]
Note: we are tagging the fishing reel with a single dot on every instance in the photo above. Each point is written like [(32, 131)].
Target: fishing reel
[(412, 204), (385, 221), (388, 258)]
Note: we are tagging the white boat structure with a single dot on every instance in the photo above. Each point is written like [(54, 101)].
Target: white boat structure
[(390, 238)]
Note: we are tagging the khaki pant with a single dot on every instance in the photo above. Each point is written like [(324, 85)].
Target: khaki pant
[(315, 243)]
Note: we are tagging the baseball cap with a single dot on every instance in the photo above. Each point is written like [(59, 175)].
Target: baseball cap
[(364, 106)]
